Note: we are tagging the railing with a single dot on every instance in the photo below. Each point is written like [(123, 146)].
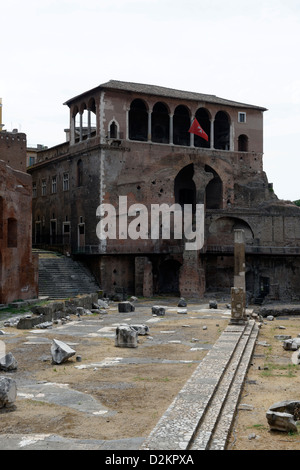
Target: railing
[(251, 249)]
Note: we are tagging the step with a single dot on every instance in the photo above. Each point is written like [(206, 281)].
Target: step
[(224, 426), (62, 277), (214, 428), (178, 426)]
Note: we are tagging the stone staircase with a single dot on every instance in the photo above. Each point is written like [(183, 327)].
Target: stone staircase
[(201, 416), (61, 277)]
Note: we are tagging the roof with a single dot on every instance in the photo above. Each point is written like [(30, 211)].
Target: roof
[(145, 89)]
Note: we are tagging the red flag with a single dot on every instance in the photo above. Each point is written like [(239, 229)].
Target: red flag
[(197, 129)]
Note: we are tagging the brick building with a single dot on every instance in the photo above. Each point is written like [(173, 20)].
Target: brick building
[(18, 266), (133, 140)]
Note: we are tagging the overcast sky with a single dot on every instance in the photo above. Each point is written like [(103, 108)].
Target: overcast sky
[(53, 50)]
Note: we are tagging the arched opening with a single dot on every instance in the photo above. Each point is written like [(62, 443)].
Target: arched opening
[(184, 187), (213, 191), (221, 231), (243, 143), (138, 121), (79, 173), (160, 127), (181, 125), (12, 233), (203, 118), (222, 131), (92, 117), (113, 130), (168, 277)]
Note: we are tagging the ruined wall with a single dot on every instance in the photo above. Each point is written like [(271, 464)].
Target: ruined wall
[(13, 149), (18, 266)]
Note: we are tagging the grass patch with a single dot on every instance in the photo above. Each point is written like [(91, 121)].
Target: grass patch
[(280, 370)]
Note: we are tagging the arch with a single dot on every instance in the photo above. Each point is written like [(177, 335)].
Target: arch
[(181, 125), (203, 117), (92, 116), (243, 142), (92, 105), (138, 121), (213, 190), (222, 131), (160, 123), (79, 172), (184, 187), (113, 130), (168, 277), (221, 230)]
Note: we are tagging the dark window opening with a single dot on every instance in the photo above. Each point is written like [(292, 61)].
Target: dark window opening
[(79, 173), (181, 125), (53, 231), (138, 121), (37, 232), (221, 131), (12, 233), (243, 143), (113, 130), (202, 117), (185, 188), (160, 124)]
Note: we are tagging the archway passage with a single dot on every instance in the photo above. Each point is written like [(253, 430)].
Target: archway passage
[(181, 125), (222, 131), (203, 118), (213, 191), (184, 187), (160, 125), (168, 277), (138, 121)]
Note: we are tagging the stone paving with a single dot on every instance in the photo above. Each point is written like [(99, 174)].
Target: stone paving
[(205, 404)]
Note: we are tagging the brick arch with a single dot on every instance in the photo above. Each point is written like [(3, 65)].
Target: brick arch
[(221, 231)]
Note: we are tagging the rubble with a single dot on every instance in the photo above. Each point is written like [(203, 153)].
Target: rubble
[(8, 391), (283, 416), (61, 352), (158, 310), (8, 362), (126, 337), (126, 307)]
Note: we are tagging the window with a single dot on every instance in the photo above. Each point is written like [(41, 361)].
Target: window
[(54, 184), (34, 190), (242, 117), (79, 172), (44, 189), (66, 227), (31, 161), (113, 130), (66, 182)]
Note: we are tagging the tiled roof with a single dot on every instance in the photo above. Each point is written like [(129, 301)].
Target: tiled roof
[(145, 89)]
